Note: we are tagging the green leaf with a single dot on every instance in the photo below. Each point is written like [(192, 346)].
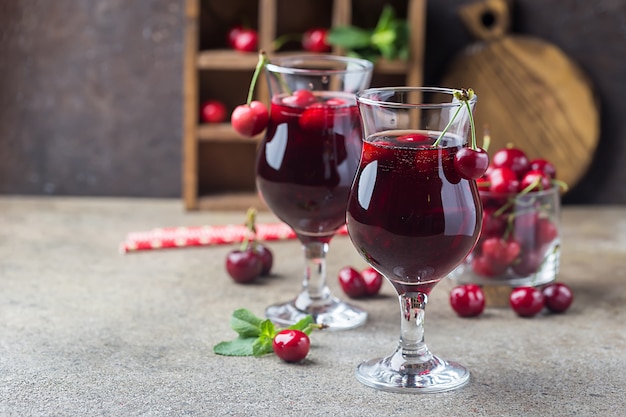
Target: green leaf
[(385, 43), (245, 323), (241, 346), (349, 37), (262, 345), (303, 325), (386, 19), (267, 328)]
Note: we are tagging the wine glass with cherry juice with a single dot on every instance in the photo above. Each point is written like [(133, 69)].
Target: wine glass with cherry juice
[(413, 217), (305, 167)]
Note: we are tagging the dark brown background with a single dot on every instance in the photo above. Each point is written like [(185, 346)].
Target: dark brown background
[(91, 90)]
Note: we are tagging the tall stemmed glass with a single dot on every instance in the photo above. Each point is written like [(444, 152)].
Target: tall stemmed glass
[(413, 218), (305, 167)]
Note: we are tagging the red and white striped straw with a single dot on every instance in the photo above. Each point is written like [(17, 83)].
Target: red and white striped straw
[(193, 236)]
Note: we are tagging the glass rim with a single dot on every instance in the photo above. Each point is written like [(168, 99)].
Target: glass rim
[(361, 97), (280, 64)]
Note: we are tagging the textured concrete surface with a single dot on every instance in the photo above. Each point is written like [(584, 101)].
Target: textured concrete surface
[(85, 331)]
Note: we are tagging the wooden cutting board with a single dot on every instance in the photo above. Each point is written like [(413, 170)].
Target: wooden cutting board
[(530, 94)]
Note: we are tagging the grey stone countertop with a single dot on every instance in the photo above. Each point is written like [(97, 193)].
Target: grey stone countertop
[(87, 331)]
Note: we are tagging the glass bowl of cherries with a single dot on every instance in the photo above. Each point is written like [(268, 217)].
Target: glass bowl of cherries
[(520, 239)]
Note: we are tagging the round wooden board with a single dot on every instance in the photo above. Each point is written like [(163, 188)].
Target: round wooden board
[(531, 95)]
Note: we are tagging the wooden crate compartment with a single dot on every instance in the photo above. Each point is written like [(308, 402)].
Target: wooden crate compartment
[(218, 164)]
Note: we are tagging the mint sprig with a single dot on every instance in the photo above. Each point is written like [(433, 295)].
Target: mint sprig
[(389, 39), (255, 334)]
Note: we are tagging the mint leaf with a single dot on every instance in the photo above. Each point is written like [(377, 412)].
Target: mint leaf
[(245, 323), (386, 19), (384, 41), (241, 346), (263, 344), (255, 334), (304, 325), (349, 37)]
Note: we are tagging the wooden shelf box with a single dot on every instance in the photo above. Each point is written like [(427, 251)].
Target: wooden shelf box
[(218, 164)]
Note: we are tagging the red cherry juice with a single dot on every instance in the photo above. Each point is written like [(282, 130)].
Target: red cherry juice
[(410, 214), (307, 161)]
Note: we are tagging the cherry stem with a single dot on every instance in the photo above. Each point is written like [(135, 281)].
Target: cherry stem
[(251, 225), (561, 184), (464, 96), (445, 129), (282, 40), (472, 127), (511, 201), (259, 67)]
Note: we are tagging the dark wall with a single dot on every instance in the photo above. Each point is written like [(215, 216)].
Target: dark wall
[(90, 97), (91, 90)]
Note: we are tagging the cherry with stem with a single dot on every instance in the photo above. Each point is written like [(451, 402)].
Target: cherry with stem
[(251, 118)]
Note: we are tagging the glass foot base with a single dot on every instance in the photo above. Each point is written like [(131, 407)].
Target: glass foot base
[(333, 313), (434, 375)]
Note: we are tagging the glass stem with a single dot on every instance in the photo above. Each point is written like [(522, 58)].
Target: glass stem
[(412, 345), (314, 288)]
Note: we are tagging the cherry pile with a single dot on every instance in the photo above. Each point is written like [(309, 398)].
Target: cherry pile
[(252, 259), (519, 231), (468, 300), (362, 284)]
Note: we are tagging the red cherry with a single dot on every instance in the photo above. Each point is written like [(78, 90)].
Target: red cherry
[(373, 280), (525, 226), (503, 181), (299, 98), (536, 177), (512, 158), (493, 225), (352, 282), (246, 40), (291, 345), (558, 297), (526, 301), (413, 137), (250, 120), (471, 163), (213, 111), (314, 40), (544, 166), (233, 32), (546, 231), (317, 117), (528, 263), (483, 266), (467, 300), (243, 266), (500, 251), (483, 183), (267, 258)]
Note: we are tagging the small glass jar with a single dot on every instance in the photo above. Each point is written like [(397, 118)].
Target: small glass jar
[(519, 244)]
